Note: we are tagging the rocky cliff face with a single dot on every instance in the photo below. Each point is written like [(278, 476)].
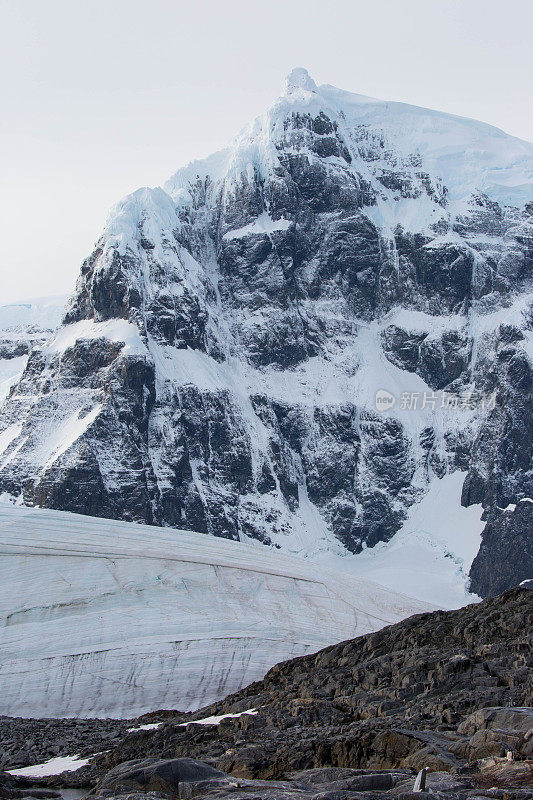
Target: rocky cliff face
[(221, 362)]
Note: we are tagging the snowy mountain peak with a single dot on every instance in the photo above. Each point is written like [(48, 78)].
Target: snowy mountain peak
[(221, 359), (299, 78), (440, 160)]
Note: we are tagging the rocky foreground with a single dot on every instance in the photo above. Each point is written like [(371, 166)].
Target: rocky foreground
[(448, 691)]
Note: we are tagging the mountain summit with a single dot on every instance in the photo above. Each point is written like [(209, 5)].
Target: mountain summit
[(312, 339), (299, 78)]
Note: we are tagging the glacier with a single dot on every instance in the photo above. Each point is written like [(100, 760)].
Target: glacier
[(101, 618)]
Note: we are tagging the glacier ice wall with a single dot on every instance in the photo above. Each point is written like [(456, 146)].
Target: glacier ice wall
[(105, 618)]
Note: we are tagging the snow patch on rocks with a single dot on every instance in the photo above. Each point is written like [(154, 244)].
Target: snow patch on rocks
[(54, 766)]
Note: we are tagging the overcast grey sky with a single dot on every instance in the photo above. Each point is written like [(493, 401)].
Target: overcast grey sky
[(99, 97)]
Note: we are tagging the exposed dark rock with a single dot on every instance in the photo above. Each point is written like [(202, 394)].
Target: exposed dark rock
[(24, 742), (156, 775), (506, 552), (439, 361)]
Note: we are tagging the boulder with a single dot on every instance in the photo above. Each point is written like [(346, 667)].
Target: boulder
[(495, 731), (498, 718), (6, 786), (156, 775)]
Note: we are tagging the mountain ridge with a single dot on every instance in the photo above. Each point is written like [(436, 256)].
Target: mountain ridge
[(220, 359)]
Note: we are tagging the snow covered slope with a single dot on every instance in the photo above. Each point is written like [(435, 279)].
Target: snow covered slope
[(430, 557), (24, 326), (221, 361), (463, 157), (105, 618)]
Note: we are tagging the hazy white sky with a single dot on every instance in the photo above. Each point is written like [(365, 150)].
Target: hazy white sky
[(99, 97)]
